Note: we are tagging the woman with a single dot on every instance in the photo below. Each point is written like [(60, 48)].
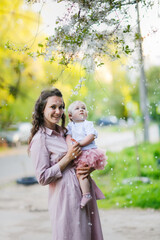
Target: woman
[(54, 166)]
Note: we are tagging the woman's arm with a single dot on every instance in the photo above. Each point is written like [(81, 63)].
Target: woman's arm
[(69, 140), (45, 173)]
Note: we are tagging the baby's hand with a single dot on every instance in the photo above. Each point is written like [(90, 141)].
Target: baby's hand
[(73, 141)]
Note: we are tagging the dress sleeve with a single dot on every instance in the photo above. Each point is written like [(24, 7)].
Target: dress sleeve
[(69, 128), (45, 173), (89, 128)]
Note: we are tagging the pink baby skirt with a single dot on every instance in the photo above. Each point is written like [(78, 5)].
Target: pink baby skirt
[(92, 157)]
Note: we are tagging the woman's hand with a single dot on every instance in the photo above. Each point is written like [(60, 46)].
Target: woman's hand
[(85, 171), (74, 151)]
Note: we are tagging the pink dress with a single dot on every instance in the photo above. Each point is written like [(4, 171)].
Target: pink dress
[(68, 221), (91, 155)]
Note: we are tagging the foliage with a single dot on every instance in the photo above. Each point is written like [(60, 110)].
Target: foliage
[(122, 165), (153, 91), (91, 29), (20, 76), (153, 79), (120, 99), (102, 96), (82, 38)]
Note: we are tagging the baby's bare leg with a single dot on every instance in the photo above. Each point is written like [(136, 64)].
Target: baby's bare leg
[(85, 187), (84, 184)]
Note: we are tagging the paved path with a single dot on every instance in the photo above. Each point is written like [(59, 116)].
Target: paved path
[(116, 141), (24, 216), (15, 163)]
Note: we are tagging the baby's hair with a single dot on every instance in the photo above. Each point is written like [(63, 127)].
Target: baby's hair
[(71, 106)]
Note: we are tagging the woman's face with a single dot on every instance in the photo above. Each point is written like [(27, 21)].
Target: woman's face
[(53, 111)]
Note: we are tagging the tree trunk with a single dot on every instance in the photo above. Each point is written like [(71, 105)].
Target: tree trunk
[(142, 84)]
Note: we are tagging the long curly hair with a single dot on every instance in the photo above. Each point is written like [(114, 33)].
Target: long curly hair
[(37, 117)]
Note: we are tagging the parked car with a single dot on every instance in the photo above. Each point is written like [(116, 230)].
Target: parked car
[(17, 134), (107, 121)]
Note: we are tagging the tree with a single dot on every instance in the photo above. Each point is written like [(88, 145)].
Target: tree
[(153, 90), (92, 29), (19, 74), (153, 79), (142, 83)]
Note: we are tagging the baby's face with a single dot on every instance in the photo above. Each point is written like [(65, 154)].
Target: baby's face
[(79, 112)]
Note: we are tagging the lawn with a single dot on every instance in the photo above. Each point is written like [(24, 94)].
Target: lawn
[(128, 164)]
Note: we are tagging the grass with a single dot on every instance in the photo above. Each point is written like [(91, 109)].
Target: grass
[(124, 165)]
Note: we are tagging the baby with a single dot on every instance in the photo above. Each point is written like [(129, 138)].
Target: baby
[(83, 131)]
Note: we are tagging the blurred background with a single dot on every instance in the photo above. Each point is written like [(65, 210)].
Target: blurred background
[(121, 90), (111, 91)]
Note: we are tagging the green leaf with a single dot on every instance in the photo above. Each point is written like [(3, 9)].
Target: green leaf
[(40, 45)]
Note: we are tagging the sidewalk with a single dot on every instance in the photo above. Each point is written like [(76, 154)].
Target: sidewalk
[(24, 216)]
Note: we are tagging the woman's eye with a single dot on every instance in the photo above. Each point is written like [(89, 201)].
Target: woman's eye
[(53, 107), (61, 107)]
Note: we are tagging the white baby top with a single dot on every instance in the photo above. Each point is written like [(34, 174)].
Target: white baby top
[(79, 130)]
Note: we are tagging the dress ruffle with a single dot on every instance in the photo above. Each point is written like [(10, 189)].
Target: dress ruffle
[(93, 157)]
